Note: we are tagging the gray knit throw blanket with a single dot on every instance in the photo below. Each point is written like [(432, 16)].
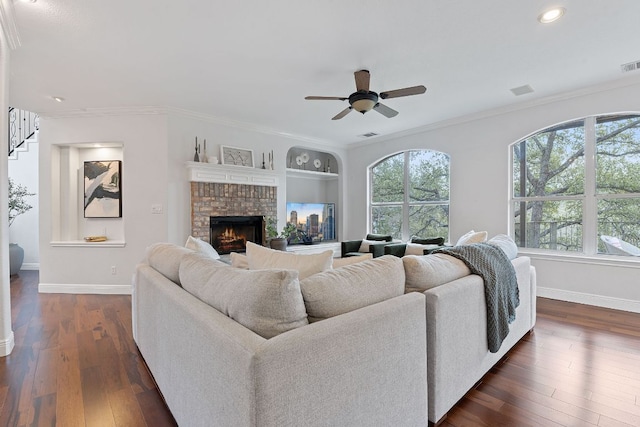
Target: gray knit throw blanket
[(500, 286)]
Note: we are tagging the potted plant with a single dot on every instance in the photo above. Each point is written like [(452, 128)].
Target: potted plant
[(17, 206), (275, 240)]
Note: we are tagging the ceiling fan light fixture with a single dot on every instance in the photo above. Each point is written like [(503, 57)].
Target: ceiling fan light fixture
[(363, 101), (551, 15)]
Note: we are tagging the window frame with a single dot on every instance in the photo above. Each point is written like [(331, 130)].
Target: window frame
[(406, 203), (589, 197)]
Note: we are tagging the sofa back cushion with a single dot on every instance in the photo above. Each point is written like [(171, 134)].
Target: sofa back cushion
[(348, 288), (268, 302), (165, 258), (418, 248), (259, 258), (428, 271)]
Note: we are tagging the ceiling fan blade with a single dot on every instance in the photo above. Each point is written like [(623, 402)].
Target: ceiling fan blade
[(385, 111), (342, 113), (326, 98), (362, 80), (414, 90)]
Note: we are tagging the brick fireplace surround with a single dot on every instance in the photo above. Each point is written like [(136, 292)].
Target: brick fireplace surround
[(216, 199)]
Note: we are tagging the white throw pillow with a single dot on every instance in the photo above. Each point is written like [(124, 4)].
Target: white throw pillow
[(426, 272), (239, 261), (354, 286), (165, 258), (260, 258), (473, 237), (364, 246), (505, 243), (417, 249), (202, 247), (268, 302)]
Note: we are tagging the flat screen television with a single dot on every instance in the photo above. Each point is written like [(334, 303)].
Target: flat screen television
[(315, 222)]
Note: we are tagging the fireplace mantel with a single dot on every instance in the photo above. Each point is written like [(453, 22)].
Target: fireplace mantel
[(229, 174)]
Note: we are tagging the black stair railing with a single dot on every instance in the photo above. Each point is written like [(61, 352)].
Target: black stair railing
[(22, 126)]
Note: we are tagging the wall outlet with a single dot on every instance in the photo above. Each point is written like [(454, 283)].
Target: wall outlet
[(114, 271)]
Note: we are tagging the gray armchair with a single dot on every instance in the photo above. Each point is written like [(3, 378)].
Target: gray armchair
[(352, 247)]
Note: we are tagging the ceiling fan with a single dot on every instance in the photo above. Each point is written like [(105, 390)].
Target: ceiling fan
[(363, 100)]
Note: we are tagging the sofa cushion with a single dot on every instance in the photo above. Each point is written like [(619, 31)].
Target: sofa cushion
[(341, 262), (202, 247), (239, 261), (418, 249), (472, 237), (348, 288), (428, 271), (268, 302), (505, 243), (165, 258), (260, 258)]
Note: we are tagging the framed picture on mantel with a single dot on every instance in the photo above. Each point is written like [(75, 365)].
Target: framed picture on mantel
[(236, 156)]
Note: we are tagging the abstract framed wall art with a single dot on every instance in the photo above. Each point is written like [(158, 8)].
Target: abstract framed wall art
[(103, 189)]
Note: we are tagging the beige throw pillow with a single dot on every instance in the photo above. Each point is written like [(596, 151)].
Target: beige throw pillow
[(202, 247), (268, 302), (348, 288), (417, 249), (473, 237), (428, 271), (260, 258), (165, 258), (239, 261)]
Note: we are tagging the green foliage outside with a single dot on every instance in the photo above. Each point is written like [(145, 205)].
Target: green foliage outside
[(551, 166), (426, 199)]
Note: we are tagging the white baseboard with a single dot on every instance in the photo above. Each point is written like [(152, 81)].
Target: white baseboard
[(30, 266), (590, 299), (76, 288), (6, 345)]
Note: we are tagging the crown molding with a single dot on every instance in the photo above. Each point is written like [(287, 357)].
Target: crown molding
[(104, 112), (9, 28), (456, 121), (252, 127)]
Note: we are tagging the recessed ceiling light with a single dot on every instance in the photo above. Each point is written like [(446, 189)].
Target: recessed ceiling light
[(58, 98), (29, 1), (551, 15)]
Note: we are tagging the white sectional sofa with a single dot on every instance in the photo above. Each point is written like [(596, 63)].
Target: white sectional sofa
[(373, 356), (365, 367)]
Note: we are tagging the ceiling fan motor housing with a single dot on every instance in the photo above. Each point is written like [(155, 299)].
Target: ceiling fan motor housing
[(363, 101)]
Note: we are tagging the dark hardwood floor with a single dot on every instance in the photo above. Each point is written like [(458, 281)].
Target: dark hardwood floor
[(75, 363)]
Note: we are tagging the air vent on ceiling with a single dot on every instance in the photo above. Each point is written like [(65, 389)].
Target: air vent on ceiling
[(522, 90), (631, 66), (368, 135)]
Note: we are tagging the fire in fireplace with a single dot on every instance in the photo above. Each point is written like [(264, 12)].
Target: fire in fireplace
[(231, 233)]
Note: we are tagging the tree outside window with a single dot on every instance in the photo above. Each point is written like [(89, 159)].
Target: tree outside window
[(409, 195), (576, 182)]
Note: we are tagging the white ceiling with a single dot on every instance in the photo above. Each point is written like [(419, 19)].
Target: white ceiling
[(253, 62)]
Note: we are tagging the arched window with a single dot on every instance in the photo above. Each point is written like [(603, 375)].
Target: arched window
[(409, 195), (575, 183)]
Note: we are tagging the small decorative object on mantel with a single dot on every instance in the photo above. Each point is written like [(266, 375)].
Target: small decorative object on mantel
[(271, 160), (196, 158), (263, 167), (328, 166), (204, 158), (317, 163)]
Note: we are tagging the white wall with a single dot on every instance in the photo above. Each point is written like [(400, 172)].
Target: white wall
[(479, 187), (24, 231), (155, 149)]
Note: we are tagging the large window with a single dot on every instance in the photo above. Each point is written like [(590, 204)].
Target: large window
[(577, 182), (409, 195)]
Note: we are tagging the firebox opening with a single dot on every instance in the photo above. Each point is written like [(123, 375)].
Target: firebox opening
[(231, 233)]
